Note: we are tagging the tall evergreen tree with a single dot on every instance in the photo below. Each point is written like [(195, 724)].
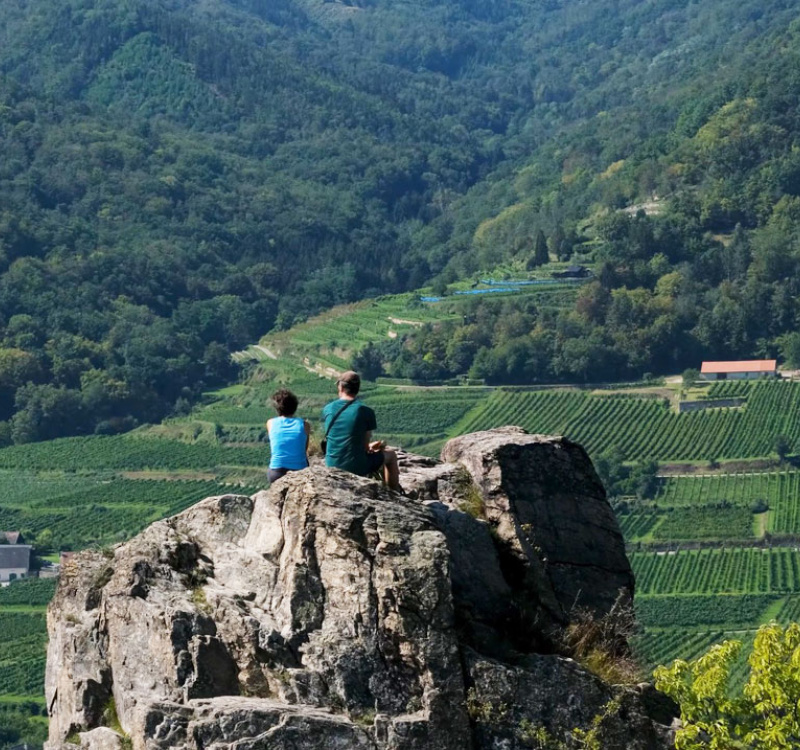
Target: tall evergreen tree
[(540, 252)]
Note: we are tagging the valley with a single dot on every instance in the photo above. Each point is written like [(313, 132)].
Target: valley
[(500, 213), (715, 551)]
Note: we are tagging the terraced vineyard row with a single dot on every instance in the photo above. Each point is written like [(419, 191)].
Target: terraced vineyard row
[(687, 524), (661, 646), (126, 452), (733, 570), (108, 512), (365, 321), (779, 490), (637, 526), (408, 417), (784, 516), (737, 489), (419, 412), (22, 486), (336, 334), (705, 523), (708, 609), (730, 389), (789, 611), (250, 415), (647, 427), (22, 653), (33, 592)]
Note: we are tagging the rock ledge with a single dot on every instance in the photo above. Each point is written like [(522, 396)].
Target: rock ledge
[(329, 612)]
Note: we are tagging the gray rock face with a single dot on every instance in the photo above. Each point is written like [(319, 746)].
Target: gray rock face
[(332, 613), (549, 510), (101, 738), (563, 697), (545, 545)]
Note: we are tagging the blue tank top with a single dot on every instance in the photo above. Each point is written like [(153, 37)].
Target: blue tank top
[(287, 442)]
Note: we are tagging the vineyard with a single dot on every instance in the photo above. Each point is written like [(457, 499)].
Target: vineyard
[(638, 527), (777, 492), (100, 490), (790, 610), (729, 389), (127, 452), (235, 415), (693, 610), (20, 486), (679, 602), (22, 653), (775, 488), (726, 570), (333, 337), (688, 524), (647, 428), (662, 645), (32, 592), (426, 415), (409, 418), (108, 512)]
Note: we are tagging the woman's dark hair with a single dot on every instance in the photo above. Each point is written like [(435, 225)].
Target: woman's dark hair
[(285, 402)]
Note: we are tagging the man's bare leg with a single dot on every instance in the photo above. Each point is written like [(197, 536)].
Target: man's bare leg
[(391, 471)]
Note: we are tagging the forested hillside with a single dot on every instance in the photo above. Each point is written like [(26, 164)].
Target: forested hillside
[(178, 177)]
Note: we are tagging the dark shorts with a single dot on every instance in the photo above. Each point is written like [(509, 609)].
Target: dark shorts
[(375, 461), (274, 474)]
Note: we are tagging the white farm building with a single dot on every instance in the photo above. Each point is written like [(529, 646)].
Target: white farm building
[(15, 562), (751, 369)]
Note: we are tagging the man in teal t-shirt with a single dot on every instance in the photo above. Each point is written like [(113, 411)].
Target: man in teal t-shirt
[(348, 428)]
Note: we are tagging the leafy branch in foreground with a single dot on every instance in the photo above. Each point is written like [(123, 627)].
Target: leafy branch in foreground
[(764, 716)]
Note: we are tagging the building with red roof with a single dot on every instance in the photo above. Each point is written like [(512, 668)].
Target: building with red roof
[(748, 369)]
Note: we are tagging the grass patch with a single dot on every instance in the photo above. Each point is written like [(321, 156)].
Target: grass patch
[(470, 494), (600, 644)]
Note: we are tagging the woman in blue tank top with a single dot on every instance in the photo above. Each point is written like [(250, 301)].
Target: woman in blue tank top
[(288, 437)]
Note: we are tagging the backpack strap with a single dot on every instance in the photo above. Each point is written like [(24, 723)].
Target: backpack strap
[(337, 417)]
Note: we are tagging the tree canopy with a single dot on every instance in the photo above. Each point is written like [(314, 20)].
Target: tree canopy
[(179, 178), (762, 716)]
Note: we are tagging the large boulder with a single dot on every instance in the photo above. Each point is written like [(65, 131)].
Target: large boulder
[(534, 543), (329, 612), (326, 593), (549, 509)]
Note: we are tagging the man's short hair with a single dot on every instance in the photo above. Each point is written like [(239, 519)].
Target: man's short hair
[(350, 382), (285, 402)]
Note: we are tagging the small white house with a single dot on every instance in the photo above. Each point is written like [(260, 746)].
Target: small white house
[(751, 369), (15, 562)]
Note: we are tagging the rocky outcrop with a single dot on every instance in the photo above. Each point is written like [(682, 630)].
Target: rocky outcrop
[(329, 612), (544, 517)]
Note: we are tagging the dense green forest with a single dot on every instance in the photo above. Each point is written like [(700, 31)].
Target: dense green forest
[(178, 178)]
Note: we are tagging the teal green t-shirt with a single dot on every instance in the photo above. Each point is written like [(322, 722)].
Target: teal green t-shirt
[(347, 436)]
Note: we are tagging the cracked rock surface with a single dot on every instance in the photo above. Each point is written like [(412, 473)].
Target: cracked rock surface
[(329, 612), (549, 509)]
